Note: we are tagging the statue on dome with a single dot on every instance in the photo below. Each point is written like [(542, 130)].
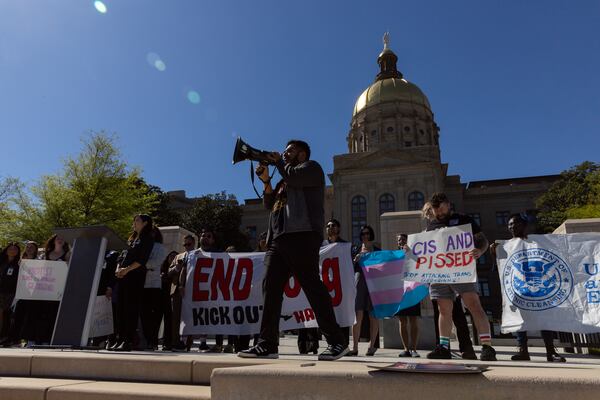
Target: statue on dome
[(386, 40)]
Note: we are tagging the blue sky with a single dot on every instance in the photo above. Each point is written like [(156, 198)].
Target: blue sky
[(514, 85)]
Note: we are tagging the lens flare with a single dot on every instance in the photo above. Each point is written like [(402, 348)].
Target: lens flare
[(154, 60), (193, 97), (100, 7), (160, 65)]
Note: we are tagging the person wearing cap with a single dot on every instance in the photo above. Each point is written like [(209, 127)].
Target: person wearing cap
[(445, 294)]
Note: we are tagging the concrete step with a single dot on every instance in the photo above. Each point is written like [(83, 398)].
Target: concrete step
[(184, 368), (17, 388), (354, 380)]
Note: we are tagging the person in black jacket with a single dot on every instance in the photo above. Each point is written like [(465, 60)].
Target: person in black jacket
[(131, 273), (294, 237), (9, 271)]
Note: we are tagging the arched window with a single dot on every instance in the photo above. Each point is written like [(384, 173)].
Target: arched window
[(386, 203), (415, 201), (359, 216)]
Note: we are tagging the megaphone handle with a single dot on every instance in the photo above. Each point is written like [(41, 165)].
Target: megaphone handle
[(252, 179)]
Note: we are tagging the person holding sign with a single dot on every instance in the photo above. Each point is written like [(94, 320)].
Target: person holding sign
[(446, 293), (294, 237), (517, 226), (362, 303)]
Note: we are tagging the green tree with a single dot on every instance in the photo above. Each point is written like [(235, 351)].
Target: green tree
[(9, 187), (95, 188), (592, 208), (574, 195), (222, 213)]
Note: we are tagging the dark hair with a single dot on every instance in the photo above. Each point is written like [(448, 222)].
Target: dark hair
[(27, 244), (262, 236), (371, 232), (190, 237), (302, 145), (437, 199), (334, 222), (50, 245), (404, 235), (164, 268), (156, 233), (4, 253), (147, 230), (519, 217), (208, 230)]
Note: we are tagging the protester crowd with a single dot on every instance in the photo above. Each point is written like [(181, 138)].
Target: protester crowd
[(146, 284)]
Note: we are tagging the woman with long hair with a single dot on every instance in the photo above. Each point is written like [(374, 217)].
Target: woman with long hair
[(362, 303), (131, 273), (9, 272), (23, 307)]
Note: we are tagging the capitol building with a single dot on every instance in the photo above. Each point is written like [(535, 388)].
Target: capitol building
[(393, 166)]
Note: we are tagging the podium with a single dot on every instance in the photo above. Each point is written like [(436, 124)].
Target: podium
[(72, 326)]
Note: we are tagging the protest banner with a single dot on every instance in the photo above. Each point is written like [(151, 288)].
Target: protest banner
[(550, 282), (223, 293), (41, 280), (384, 275), (102, 317), (441, 256)]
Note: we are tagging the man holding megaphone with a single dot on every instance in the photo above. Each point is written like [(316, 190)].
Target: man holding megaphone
[(293, 240)]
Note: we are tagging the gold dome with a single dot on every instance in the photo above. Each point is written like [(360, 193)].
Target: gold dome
[(391, 90)]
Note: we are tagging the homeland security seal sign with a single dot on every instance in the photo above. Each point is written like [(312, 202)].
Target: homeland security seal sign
[(536, 279)]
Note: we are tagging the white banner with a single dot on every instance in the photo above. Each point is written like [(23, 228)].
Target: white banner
[(41, 280), (223, 292), (441, 256), (102, 317), (550, 282)]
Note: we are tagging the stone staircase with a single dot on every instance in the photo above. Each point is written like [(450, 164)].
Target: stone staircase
[(85, 375)]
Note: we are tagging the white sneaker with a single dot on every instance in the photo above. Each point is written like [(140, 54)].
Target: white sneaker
[(414, 353)]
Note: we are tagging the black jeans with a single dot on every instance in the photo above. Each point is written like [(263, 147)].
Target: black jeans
[(295, 254), (129, 300), (460, 322)]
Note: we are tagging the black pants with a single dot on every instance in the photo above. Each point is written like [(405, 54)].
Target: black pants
[(460, 322), (129, 300), (295, 254), (548, 337), (151, 314)]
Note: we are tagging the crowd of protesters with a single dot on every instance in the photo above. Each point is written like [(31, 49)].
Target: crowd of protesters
[(146, 284)]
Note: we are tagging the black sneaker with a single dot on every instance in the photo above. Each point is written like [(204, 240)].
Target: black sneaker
[(553, 357), (333, 352), (487, 353), (258, 351), (405, 353), (469, 355), (203, 346), (440, 353), (522, 355)]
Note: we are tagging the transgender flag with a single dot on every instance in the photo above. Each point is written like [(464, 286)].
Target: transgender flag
[(389, 292)]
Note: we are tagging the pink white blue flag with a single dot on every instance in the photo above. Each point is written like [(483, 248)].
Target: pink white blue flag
[(390, 293)]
